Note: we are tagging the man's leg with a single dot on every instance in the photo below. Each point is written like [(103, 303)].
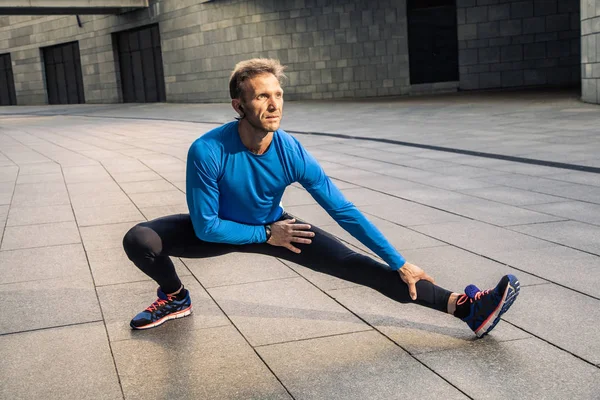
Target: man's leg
[(328, 255), (149, 245), (480, 309)]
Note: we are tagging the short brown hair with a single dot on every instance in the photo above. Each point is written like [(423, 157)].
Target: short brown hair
[(249, 69)]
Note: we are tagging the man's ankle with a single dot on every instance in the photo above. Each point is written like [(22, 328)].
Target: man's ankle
[(177, 292), (452, 303)]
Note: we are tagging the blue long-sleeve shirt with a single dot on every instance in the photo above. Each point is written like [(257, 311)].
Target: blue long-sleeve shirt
[(232, 193)]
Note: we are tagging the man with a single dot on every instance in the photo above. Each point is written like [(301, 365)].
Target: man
[(236, 176)]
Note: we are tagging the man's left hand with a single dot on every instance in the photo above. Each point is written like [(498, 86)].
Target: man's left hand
[(411, 274)]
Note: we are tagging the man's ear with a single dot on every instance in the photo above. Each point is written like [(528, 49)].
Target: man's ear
[(237, 106)]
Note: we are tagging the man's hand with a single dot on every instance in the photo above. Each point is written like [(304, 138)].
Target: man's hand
[(286, 232), (411, 274)]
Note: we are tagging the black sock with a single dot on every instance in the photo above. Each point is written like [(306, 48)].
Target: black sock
[(462, 310), (181, 295)]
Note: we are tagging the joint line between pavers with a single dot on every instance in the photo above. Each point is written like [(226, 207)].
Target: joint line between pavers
[(240, 332), (51, 327), (384, 335), (112, 354), (483, 255), (550, 343), (315, 337)]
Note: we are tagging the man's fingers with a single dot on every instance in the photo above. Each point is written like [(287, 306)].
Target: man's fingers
[(426, 277), (293, 248), (302, 227), (303, 233), (301, 240), (412, 290)]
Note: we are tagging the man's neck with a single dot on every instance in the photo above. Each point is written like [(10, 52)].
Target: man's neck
[(256, 141)]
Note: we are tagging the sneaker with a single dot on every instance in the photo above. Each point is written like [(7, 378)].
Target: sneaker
[(166, 307), (486, 307)]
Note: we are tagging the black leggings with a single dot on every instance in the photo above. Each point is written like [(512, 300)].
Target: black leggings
[(149, 245)]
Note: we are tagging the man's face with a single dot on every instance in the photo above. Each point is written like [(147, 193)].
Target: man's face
[(262, 102)]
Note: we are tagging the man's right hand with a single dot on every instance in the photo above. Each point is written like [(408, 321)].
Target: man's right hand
[(286, 232)]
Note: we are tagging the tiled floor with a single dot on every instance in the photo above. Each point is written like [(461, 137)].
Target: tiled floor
[(72, 185)]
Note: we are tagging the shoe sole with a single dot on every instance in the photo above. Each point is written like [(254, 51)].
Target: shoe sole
[(178, 314), (510, 294)]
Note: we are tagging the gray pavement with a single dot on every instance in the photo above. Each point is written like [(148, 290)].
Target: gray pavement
[(74, 179)]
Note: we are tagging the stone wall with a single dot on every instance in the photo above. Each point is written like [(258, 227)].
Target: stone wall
[(505, 43), (333, 48), (590, 51)]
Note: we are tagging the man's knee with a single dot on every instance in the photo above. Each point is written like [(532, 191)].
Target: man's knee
[(141, 241)]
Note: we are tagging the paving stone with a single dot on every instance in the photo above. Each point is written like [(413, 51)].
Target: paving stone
[(72, 362), (364, 197), (495, 213), (512, 196), (66, 261), (573, 315), (584, 178), (294, 196), (454, 268), (40, 168), (8, 174), (283, 310), (40, 215), (548, 186), (415, 328), (40, 188), (407, 213), (107, 214), (402, 238), (535, 370), (235, 268), (138, 176), (41, 199), (4, 213), (476, 236), (91, 189), (551, 262), (313, 214), (570, 233), (5, 198), (146, 186), (99, 237), (352, 366), (576, 210), (99, 199), (211, 363), (36, 303), (165, 198), (467, 171), (120, 303), (40, 178), (111, 266), (90, 173), (40, 235)]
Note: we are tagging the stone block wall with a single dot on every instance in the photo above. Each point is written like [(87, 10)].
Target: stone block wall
[(333, 48), (508, 43), (590, 51)]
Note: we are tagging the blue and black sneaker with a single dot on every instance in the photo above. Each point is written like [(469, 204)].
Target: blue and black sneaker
[(166, 307), (486, 307)]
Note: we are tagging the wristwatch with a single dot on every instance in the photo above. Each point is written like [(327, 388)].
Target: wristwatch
[(268, 232)]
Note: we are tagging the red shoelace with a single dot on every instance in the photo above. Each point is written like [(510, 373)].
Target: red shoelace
[(159, 302)]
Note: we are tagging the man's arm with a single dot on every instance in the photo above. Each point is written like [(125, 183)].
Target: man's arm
[(313, 178), (202, 193)]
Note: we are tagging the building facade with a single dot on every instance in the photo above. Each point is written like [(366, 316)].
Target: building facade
[(184, 50)]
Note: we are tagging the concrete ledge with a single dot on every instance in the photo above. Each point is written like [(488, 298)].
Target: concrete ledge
[(68, 7), (430, 88)]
